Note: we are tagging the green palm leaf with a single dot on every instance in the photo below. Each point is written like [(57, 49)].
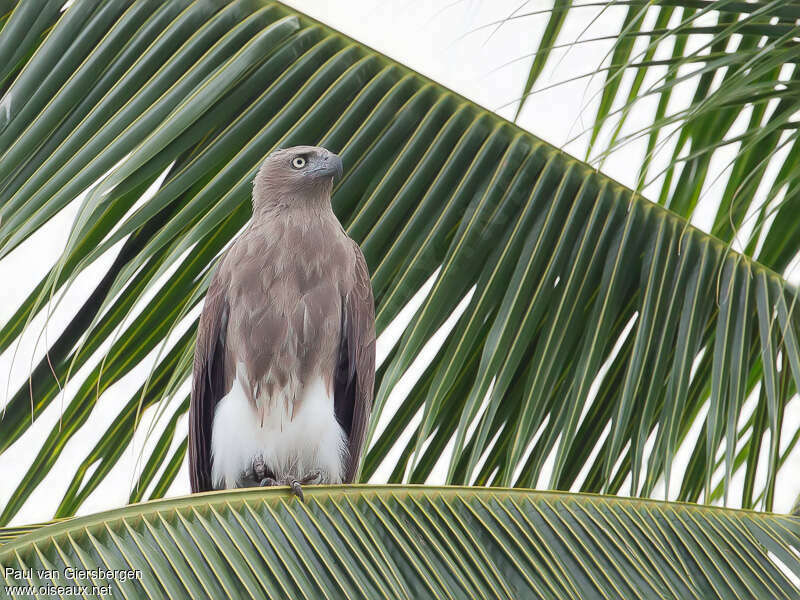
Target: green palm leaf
[(406, 542), (742, 68), (592, 323)]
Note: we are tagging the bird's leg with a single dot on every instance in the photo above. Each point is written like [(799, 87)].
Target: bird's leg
[(313, 477), (262, 474), (255, 473), (259, 468)]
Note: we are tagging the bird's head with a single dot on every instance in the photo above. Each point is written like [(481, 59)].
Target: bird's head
[(296, 175)]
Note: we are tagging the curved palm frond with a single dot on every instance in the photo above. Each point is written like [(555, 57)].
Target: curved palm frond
[(740, 61), (406, 542), (588, 328)]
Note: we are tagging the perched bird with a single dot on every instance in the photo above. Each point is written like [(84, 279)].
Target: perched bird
[(284, 364)]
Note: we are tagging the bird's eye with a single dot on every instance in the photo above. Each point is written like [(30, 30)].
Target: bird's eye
[(298, 162)]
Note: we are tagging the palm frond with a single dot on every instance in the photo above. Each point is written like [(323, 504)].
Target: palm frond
[(741, 68), (406, 542)]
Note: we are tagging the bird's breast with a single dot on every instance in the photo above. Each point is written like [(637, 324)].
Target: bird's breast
[(285, 306)]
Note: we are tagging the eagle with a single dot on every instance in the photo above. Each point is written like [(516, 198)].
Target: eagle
[(284, 362)]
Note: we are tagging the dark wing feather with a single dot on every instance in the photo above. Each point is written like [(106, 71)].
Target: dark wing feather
[(208, 381), (355, 376)]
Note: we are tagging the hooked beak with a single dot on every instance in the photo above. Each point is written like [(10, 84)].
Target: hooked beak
[(331, 167)]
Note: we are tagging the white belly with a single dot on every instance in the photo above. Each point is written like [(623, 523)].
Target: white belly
[(291, 445)]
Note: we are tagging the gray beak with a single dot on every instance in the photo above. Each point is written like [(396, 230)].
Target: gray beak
[(337, 165), (331, 167)]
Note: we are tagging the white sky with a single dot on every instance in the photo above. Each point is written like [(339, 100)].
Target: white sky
[(436, 38), (456, 43)]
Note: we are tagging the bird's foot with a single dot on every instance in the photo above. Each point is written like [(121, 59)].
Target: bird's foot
[(311, 478), (251, 476), (297, 488), (296, 485), (262, 474)]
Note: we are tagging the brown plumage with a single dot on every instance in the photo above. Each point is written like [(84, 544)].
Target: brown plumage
[(285, 357)]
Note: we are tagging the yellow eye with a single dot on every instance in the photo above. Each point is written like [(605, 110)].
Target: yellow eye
[(298, 162)]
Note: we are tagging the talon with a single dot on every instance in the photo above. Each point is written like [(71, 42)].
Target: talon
[(268, 481), (297, 489)]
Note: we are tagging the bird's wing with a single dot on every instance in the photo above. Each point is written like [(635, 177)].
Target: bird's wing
[(355, 376), (208, 382)]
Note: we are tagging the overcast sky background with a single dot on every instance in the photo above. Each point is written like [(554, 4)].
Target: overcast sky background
[(455, 43)]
